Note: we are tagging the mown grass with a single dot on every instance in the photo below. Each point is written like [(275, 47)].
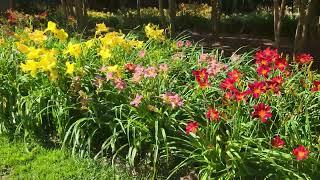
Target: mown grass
[(17, 161)]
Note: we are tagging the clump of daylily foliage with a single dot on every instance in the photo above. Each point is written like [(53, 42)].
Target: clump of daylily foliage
[(162, 105)]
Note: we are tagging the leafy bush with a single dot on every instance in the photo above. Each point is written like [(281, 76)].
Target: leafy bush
[(135, 97)]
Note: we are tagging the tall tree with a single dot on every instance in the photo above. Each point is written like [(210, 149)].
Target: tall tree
[(307, 12), (278, 13), (64, 8), (11, 4), (215, 16), (123, 4), (161, 10), (138, 8), (311, 14), (77, 9), (172, 14)]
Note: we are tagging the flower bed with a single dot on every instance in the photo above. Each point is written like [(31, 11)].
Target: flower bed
[(162, 105)]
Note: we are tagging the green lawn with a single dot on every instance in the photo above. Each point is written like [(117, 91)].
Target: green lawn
[(40, 163)]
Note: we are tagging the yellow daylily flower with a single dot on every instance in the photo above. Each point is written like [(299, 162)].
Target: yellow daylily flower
[(74, 50), (35, 53), (31, 66), (51, 27), (48, 61), (136, 43), (38, 36), (22, 48), (61, 34), (69, 68), (27, 30), (153, 32), (112, 39), (53, 75), (89, 43), (105, 53), (100, 28), (115, 69)]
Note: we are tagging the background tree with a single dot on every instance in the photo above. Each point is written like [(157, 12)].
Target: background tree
[(138, 8), (279, 10), (307, 14), (77, 9), (172, 14), (160, 2), (123, 4), (11, 4), (215, 16)]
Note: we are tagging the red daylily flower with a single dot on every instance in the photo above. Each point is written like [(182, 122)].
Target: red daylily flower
[(271, 54), (192, 126), (235, 75), (265, 57), (277, 142), (201, 77), (11, 17), (262, 111), (300, 152), (287, 73), (130, 67), (263, 70), (263, 62), (277, 79), (257, 88), (228, 95), (281, 64), (213, 114), (304, 58), (241, 95), (42, 15), (228, 84), (316, 87), (273, 86)]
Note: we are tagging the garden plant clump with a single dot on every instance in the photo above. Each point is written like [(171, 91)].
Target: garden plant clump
[(162, 105)]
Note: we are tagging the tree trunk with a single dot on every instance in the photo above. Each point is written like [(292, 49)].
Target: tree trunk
[(138, 8), (172, 14), (161, 11), (11, 4), (85, 11), (279, 11), (123, 4), (310, 16), (301, 4), (64, 8), (77, 9), (215, 16), (307, 14), (318, 28), (276, 22), (70, 8)]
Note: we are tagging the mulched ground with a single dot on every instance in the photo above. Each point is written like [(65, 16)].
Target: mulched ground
[(230, 43)]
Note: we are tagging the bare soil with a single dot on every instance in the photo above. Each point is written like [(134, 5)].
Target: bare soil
[(241, 43)]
